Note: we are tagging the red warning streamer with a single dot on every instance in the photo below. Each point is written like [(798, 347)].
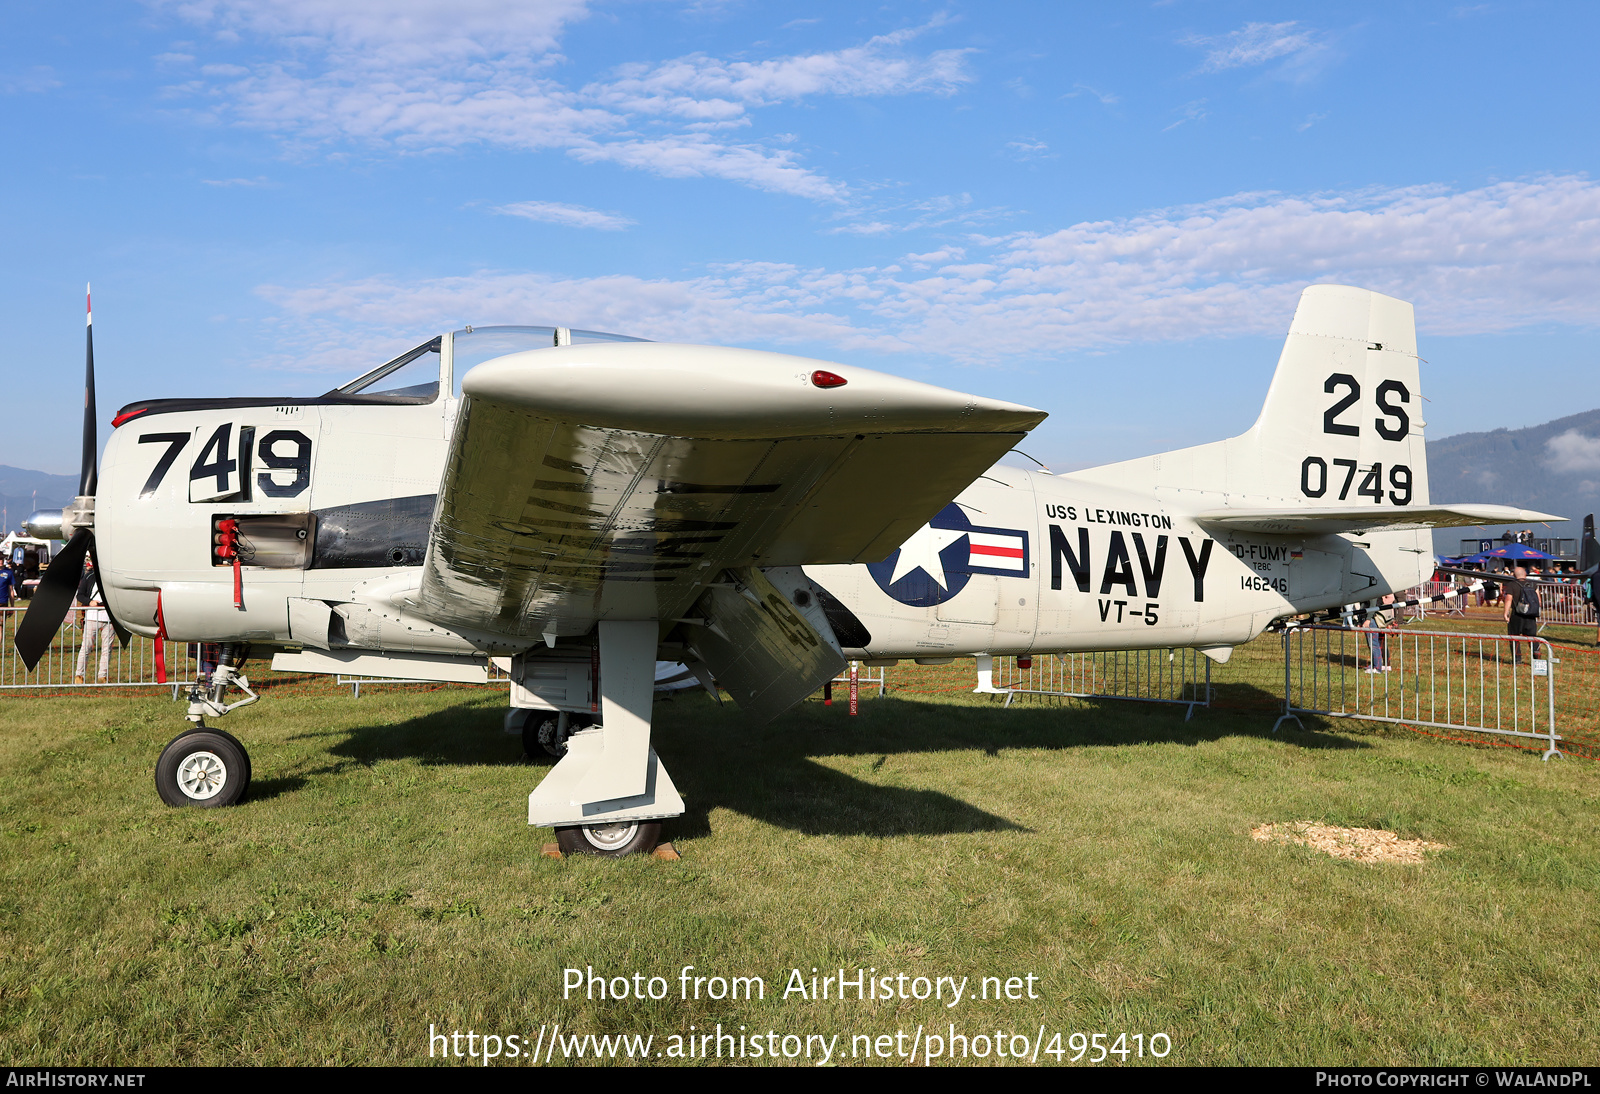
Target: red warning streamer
[(228, 548), (161, 642)]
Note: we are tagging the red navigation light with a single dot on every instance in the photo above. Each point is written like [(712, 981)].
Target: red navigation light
[(823, 378), (127, 415)]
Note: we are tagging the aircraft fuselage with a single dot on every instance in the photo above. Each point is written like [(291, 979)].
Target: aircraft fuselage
[(336, 500)]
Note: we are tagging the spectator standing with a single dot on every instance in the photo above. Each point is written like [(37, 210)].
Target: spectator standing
[(1377, 621), (8, 584), (96, 624), (1521, 612), (1593, 590)]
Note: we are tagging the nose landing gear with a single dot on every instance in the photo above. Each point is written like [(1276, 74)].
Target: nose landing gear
[(205, 766)]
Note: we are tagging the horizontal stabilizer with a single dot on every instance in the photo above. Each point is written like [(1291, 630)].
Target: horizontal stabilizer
[(1315, 522)]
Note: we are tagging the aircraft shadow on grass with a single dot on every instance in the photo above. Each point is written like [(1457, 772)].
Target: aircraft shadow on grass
[(266, 789), (719, 760)]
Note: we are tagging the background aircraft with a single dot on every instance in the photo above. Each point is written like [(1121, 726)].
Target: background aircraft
[(582, 504)]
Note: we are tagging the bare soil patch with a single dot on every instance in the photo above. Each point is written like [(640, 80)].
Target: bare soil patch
[(1356, 844)]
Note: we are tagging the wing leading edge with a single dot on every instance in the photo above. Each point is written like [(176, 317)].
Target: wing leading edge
[(619, 480)]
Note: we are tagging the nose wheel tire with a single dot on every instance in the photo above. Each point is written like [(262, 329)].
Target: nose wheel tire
[(236, 744), (612, 840), (205, 768)]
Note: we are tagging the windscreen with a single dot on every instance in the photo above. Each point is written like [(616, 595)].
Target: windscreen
[(413, 376)]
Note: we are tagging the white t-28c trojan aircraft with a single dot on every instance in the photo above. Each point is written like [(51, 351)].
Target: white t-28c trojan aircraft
[(582, 505)]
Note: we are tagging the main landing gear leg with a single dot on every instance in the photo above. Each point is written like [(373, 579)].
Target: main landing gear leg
[(609, 793), (204, 766)]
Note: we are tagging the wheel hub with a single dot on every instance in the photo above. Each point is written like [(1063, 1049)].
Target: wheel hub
[(609, 837), (202, 775)]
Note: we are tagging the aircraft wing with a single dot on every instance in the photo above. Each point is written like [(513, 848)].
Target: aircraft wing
[(618, 480), (1332, 521)]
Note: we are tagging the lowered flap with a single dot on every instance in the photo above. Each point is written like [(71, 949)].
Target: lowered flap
[(769, 651)]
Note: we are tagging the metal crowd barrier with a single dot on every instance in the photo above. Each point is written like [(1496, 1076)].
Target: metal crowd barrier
[(1455, 605), (1475, 682), (1180, 676), (1564, 602), (130, 667)]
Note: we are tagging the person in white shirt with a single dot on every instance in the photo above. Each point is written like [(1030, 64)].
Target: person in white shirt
[(1379, 619), (96, 624)]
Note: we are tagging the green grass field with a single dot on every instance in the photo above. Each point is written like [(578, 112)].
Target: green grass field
[(380, 878)]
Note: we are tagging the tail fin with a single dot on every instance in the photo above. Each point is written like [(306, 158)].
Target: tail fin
[(1341, 427)]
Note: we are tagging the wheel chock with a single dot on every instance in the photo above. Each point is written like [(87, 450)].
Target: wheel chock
[(664, 851)]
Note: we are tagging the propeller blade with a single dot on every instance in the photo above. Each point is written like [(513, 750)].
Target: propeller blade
[(89, 475), (123, 635), (52, 600)]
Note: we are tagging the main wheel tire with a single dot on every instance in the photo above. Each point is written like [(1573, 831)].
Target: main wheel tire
[(203, 767), (541, 731), (612, 840), (552, 738)]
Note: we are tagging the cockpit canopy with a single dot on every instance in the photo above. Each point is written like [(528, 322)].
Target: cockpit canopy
[(415, 375)]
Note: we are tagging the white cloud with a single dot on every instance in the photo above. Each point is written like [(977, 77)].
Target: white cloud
[(1491, 259), (864, 228), (1029, 150), (32, 81), (1253, 44), (698, 85), (259, 180), (689, 155), (1106, 98), (425, 75), (569, 216), (1192, 112), (1572, 451), (941, 211), (936, 258), (411, 30)]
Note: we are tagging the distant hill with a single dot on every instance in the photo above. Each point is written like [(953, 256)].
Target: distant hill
[(1554, 468), (19, 487)]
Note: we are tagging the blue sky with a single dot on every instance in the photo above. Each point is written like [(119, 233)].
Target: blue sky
[(1104, 210)]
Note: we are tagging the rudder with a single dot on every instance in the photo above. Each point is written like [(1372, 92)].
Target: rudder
[(1342, 422), (1341, 425)]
